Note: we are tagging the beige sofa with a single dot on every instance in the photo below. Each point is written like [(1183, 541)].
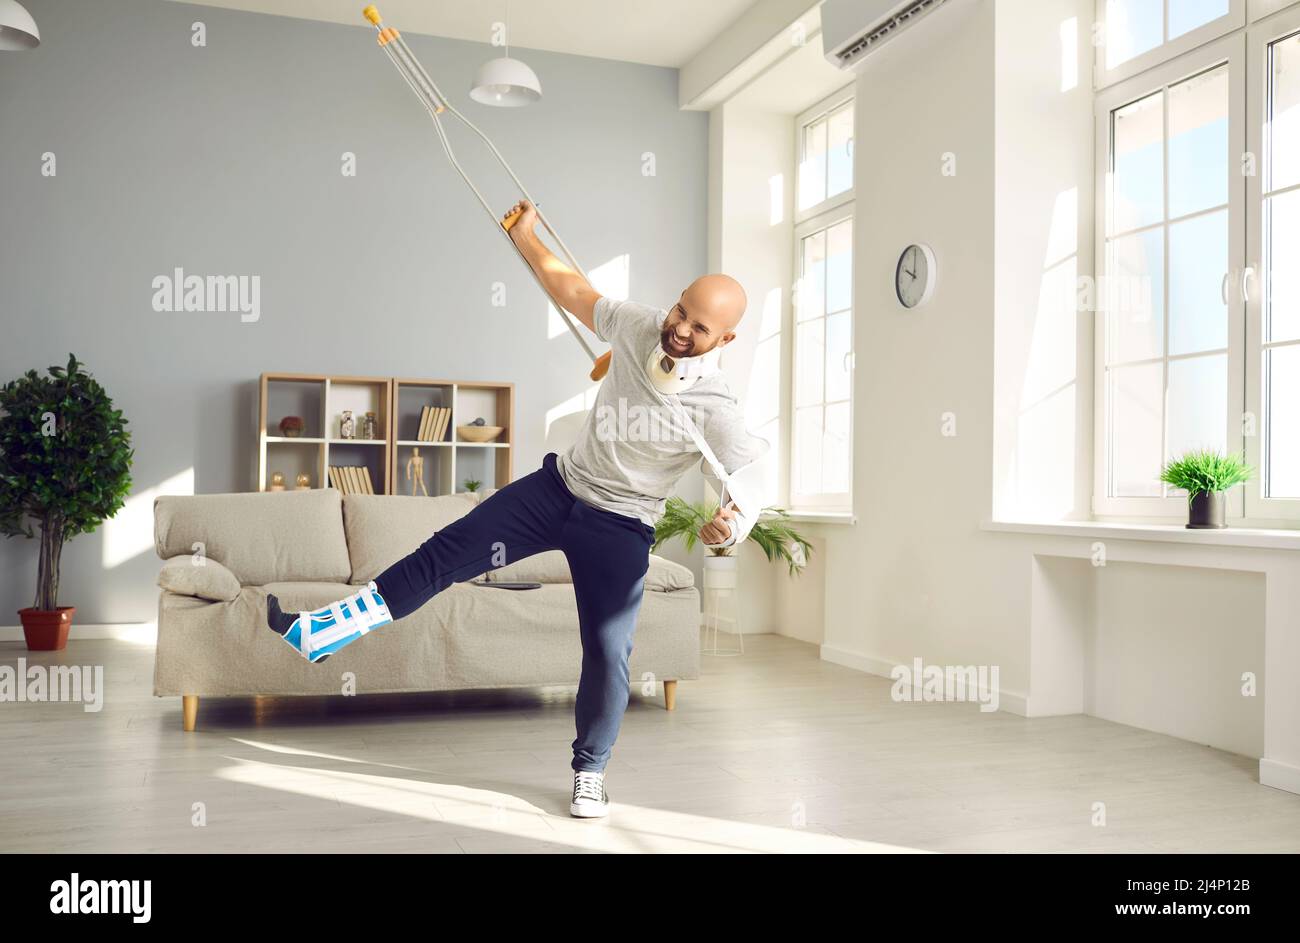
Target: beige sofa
[(223, 553)]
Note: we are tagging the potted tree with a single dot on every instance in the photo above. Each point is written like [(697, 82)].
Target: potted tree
[(774, 535), (1205, 475), (65, 462)]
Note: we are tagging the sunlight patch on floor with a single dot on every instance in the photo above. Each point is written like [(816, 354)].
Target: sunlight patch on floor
[(628, 829)]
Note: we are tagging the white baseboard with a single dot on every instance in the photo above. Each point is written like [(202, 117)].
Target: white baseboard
[(1279, 775), (139, 632), (1012, 702)]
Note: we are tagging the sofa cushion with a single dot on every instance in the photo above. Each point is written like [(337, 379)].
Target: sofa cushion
[(259, 537), (190, 575), (305, 596), (550, 566), (663, 576), (383, 528)]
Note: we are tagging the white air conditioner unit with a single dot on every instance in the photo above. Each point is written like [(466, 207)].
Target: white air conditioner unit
[(853, 29)]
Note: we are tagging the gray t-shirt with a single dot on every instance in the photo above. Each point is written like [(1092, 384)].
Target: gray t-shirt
[(634, 448)]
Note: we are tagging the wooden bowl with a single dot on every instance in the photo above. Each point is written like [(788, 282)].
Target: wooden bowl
[(479, 433)]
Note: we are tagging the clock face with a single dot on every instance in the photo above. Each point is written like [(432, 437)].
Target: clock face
[(914, 277)]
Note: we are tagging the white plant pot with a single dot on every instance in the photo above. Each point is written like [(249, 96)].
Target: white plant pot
[(719, 572)]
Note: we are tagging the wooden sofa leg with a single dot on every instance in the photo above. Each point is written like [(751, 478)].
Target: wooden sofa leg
[(190, 711), (670, 695)]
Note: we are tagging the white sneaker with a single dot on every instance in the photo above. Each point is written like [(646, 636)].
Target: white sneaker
[(590, 801)]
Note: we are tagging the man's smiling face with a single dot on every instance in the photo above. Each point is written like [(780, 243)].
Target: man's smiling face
[(703, 318)]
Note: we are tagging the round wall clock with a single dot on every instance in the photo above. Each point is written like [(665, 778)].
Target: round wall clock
[(915, 275)]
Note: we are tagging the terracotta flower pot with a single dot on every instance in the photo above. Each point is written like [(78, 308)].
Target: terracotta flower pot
[(47, 630)]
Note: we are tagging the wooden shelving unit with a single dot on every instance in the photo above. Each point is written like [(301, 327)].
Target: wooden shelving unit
[(448, 463), (320, 400)]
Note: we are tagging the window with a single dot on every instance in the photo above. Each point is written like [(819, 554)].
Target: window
[(1272, 285), (822, 378), (1165, 334), (1137, 34), (826, 156), (1198, 227)]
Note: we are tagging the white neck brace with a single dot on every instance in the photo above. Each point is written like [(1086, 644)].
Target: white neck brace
[(671, 374)]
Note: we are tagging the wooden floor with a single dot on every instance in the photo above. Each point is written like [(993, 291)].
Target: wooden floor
[(772, 751)]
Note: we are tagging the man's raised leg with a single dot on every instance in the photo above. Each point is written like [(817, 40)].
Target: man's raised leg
[(523, 518)]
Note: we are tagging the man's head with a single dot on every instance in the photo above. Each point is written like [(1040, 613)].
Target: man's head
[(705, 317)]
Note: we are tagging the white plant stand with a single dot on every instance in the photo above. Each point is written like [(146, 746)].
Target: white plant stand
[(719, 584)]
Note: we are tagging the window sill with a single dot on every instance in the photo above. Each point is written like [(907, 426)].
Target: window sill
[(1257, 537), (823, 517)]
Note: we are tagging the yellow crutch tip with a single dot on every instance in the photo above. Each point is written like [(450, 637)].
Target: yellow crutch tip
[(372, 14)]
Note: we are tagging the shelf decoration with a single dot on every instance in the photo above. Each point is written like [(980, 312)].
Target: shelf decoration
[(415, 472)]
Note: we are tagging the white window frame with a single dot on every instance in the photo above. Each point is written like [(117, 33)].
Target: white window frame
[(1230, 49), (1260, 510), (1169, 49), (823, 215), (822, 109)]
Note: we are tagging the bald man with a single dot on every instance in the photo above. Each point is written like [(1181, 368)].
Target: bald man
[(663, 406)]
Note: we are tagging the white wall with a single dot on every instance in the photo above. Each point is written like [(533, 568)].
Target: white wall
[(751, 201), (1043, 241), (915, 576)]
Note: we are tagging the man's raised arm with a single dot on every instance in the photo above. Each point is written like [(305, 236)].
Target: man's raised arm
[(566, 287)]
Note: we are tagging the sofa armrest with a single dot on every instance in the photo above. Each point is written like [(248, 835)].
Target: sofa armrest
[(185, 576)]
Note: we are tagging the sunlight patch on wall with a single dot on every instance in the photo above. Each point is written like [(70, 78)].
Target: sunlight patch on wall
[(776, 198), (130, 532), (1070, 54), (577, 404), (612, 278)]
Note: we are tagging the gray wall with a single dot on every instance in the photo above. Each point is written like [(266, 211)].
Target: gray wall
[(226, 160)]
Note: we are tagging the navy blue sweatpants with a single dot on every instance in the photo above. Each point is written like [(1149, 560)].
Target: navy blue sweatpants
[(608, 556)]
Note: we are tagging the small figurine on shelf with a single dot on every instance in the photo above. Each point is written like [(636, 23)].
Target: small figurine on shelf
[(277, 481), (291, 427), (304, 482), (369, 427), (347, 426), (415, 472)]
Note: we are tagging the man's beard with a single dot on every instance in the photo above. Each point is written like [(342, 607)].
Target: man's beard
[(666, 344)]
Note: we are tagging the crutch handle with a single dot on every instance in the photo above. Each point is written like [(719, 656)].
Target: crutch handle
[(508, 223), (601, 366)]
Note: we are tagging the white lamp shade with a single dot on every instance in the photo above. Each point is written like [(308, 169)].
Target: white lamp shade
[(506, 83), (17, 28)]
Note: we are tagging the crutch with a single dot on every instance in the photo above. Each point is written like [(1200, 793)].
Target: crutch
[(400, 55)]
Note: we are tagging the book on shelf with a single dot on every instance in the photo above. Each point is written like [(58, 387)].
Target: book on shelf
[(433, 423), (351, 479)]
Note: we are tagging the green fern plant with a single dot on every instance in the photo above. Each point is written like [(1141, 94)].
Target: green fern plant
[(774, 535), (1205, 471), (472, 484)]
